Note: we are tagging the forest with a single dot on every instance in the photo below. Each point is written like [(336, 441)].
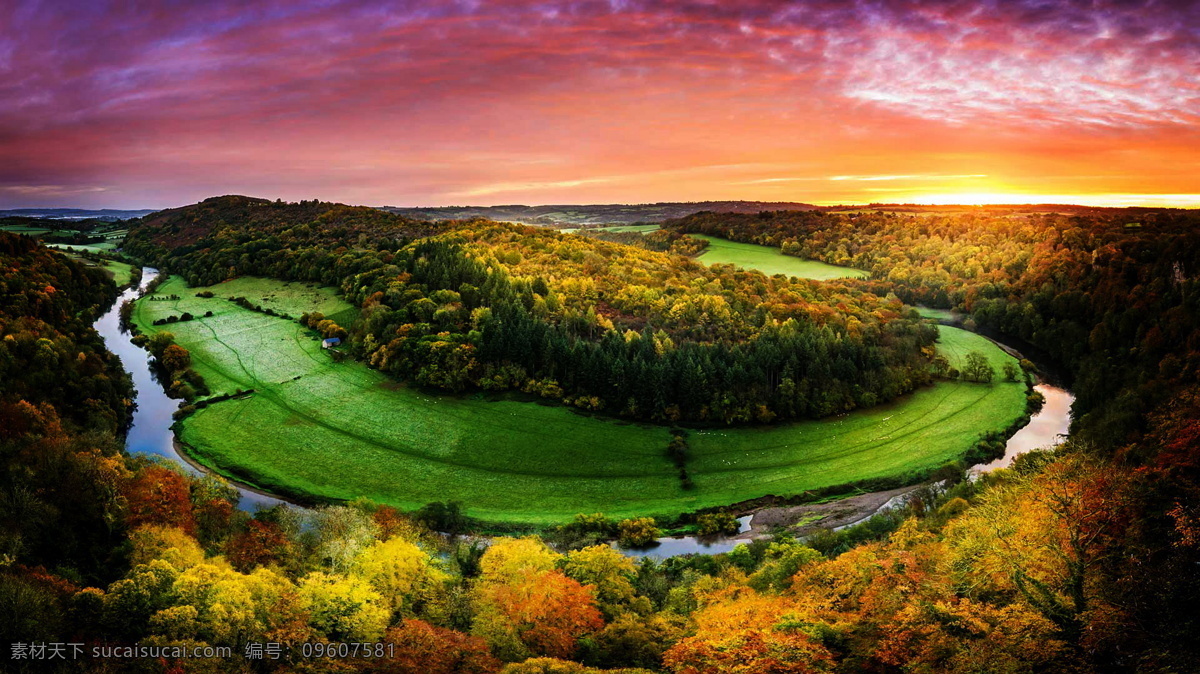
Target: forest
[(1081, 559), (1109, 294)]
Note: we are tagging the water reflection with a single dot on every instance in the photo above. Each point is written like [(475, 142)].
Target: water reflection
[(685, 545), (1047, 428)]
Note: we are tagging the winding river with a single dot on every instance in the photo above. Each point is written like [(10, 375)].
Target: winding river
[(151, 431)]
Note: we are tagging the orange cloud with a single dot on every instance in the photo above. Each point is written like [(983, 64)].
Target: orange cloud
[(438, 103)]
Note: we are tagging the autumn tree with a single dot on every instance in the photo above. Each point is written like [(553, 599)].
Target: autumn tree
[(611, 574), (524, 606), (418, 647), (343, 608), (535, 613), (342, 533), (168, 543), (158, 495), (403, 574), (746, 634), (261, 544), (176, 358), (1047, 532), (638, 532)]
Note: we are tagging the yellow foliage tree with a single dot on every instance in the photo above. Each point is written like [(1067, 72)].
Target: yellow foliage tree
[(343, 608), (402, 573)]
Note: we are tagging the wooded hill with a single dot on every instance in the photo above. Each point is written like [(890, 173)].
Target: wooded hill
[(599, 325), (1111, 298)]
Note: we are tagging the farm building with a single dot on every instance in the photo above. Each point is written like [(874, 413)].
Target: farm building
[(330, 343)]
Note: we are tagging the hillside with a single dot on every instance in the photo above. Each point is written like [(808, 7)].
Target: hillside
[(220, 221), (595, 214)]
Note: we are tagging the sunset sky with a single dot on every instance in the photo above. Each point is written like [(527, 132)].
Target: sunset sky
[(433, 103)]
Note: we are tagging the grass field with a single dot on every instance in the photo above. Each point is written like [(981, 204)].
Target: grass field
[(615, 228), (631, 228), (342, 430), (121, 273), (769, 260), (22, 229), (938, 314), (93, 247)]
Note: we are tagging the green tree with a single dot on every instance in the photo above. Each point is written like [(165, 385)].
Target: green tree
[(978, 369), (638, 532), (1010, 371)]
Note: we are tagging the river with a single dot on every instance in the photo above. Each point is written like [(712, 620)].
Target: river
[(151, 431)]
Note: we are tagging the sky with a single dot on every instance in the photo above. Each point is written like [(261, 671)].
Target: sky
[(158, 104)]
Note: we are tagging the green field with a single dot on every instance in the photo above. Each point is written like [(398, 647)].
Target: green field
[(342, 430), (769, 260), (22, 229), (121, 272), (93, 247), (630, 228), (938, 314)]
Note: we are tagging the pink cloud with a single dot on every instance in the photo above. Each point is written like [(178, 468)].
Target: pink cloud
[(377, 102)]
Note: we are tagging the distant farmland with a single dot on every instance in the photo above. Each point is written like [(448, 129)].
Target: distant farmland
[(770, 261)]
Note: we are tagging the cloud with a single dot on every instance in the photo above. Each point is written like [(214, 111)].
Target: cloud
[(503, 188), (463, 99), (920, 176), (48, 190)]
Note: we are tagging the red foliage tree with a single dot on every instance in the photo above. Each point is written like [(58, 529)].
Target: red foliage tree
[(262, 543), (157, 495), (421, 648)]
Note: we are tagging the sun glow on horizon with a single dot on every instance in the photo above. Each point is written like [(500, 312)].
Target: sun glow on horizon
[(988, 198)]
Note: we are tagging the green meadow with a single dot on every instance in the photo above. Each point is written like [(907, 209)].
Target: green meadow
[(631, 228), (644, 229), (770, 261), (938, 314), (92, 247), (24, 229), (319, 428), (121, 272)]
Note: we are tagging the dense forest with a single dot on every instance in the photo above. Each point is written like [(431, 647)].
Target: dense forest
[(1110, 295), (64, 401), (602, 326), (1082, 559)]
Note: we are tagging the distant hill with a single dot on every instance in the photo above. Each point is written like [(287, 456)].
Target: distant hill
[(238, 216), (622, 214), (597, 214), (106, 214)]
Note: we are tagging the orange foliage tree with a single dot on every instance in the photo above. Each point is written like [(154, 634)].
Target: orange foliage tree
[(535, 613), (157, 495), (748, 634), (421, 648)]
